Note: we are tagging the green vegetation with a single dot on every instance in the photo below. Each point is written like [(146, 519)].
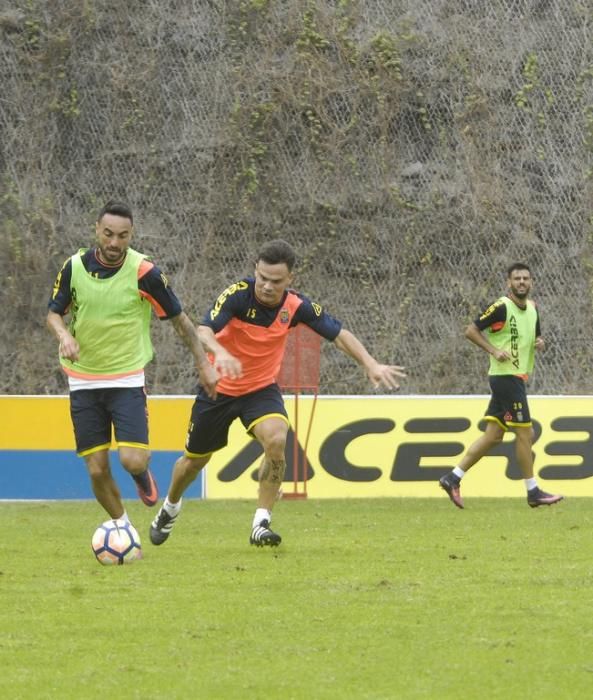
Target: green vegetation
[(368, 599), (409, 151)]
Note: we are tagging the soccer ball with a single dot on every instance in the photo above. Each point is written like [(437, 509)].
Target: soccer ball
[(116, 542)]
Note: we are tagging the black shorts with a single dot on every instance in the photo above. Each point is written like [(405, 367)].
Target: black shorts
[(508, 404), (211, 419), (94, 411)]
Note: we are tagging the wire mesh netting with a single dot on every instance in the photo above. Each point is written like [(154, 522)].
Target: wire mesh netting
[(410, 150), (299, 371)]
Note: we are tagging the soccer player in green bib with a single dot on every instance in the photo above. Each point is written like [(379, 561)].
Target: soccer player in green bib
[(509, 331), (109, 292)]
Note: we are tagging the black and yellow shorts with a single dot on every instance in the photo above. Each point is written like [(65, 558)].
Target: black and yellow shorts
[(211, 418), (508, 404), (95, 411)]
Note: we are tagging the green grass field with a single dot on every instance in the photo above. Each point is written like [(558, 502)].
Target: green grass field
[(383, 598)]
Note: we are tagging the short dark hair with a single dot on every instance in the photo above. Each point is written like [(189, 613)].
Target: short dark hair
[(276, 252), (517, 266), (116, 209)]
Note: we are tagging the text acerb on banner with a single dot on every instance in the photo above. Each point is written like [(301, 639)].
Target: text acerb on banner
[(358, 447)]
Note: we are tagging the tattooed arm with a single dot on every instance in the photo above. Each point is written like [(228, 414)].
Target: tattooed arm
[(187, 332)]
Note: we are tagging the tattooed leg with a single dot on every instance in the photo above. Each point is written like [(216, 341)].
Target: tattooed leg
[(271, 474)]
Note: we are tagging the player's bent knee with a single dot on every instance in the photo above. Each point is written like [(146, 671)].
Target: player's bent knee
[(97, 472), (275, 445), (191, 466), (135, 463)]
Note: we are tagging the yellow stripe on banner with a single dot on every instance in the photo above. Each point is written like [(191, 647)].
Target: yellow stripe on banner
[(35, 423), (404, 436), (358, 446), (169, 420)]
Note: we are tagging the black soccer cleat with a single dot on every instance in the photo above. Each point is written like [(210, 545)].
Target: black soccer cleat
[(262, 536), (536, 497), (161, 526), (451, 484)]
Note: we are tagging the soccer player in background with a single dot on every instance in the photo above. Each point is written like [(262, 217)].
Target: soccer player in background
[(109, 291), (245, 333), (509, 330)]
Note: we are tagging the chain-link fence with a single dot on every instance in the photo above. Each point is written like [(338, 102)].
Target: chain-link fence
[(410, 150)]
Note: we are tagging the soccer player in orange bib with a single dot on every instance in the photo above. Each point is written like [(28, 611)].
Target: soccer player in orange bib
[(245, 333)]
